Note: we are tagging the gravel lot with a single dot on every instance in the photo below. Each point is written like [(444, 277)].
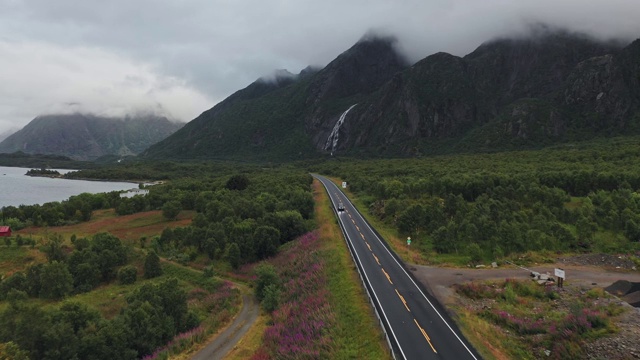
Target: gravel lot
[(582, 273)]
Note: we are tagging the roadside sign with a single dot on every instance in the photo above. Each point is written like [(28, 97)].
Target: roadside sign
[(344, 184), (559, 273), (409, 240)]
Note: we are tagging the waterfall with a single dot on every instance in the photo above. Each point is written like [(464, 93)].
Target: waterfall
[(332, 140)]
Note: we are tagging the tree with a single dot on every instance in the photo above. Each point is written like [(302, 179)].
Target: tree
[(267, 239), (271, 298), (56, 280), (127, 275), (53, 248), (171, 209), (17, 281), (475, 253), (266, 275), (11, 351), (152, 266), (237, 182), (233, 256)]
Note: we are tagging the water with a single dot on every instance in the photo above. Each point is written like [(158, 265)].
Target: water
[(18, 189), (333, 137)]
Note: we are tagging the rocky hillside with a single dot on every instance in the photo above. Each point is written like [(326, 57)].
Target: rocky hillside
[(508, 93), (87, 137)]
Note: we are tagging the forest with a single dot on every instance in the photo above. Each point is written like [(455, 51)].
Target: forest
[(478, 207), (239, 218), (570, 198)]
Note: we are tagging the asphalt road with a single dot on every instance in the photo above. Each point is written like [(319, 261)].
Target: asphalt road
[(416, 324)]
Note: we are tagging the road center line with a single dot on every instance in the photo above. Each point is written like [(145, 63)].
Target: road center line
[(403, 300), (389, 278), (424, 333)]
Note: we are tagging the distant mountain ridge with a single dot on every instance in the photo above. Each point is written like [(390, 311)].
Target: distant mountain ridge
[(88, 137), (551, 87)]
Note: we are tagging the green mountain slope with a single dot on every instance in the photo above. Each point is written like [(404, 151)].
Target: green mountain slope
[(509, 93)]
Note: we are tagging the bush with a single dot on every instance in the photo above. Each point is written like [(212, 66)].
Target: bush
[(208, 272), (127, 275), (271, 297), (152, 266), (171, 209), (266, 276)]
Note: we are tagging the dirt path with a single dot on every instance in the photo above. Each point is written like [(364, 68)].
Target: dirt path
[(439, 280), (225, 341)]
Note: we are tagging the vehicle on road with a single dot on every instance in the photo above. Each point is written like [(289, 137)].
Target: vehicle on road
[(340, 207)]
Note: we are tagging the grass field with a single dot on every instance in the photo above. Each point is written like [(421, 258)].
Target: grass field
[(128, 228)]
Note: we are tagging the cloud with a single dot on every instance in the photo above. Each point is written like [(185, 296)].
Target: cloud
[(184, 56), (45, 79)]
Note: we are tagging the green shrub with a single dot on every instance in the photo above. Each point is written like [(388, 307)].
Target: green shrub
[(127, 275), (271, 298)]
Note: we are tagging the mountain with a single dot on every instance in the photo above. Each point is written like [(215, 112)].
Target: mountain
[(549, 87), (5, 134), (88, 137)]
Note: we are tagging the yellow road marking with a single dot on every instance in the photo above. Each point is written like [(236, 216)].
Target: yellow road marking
[(375, 257), (369, 246), (424, 333), (353, 221), (362, 236), (389, 278), (350, 216), (403, 300), (357, 226)]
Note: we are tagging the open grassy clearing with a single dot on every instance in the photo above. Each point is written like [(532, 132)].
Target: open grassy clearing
[(129, 228)]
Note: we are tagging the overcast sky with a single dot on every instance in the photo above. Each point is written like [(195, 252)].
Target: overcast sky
[(181, 57)]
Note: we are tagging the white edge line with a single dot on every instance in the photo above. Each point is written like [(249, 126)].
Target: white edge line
[(365, 272), (411, 279)]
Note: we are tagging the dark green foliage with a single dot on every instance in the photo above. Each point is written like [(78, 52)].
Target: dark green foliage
[(576, 198), (127, 275), (233, 255), (171, 209), (25, 325), (75, 209), (267, 239), (152, 266), (11, 351), (17, 281), (271, 298), (83, 266), (265, 275), (54, 248), (475, 253), (56, 280), (237, 182), (155, 313)]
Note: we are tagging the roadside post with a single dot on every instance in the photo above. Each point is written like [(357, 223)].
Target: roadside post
[(559, 273)]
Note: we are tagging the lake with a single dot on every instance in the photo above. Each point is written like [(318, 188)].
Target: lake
[(18, 189)]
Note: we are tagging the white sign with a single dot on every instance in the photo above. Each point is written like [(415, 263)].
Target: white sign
[(344, 184), (559, 273)]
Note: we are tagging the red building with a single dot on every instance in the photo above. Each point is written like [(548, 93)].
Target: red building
[(5, 231)]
